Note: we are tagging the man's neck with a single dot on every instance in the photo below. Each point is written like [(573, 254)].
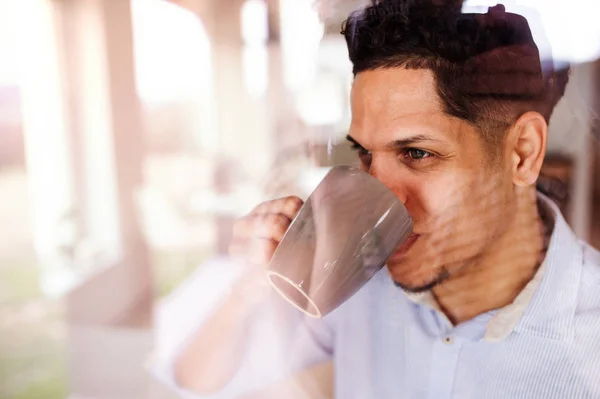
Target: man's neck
[(496, 278)]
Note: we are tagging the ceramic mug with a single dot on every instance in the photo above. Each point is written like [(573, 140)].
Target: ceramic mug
[(343, 234)]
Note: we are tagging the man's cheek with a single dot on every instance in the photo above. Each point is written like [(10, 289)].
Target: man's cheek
[(453, 234), (431, 213)]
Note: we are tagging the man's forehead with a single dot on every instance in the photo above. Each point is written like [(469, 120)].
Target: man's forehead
[(394, 103), (394, 93)]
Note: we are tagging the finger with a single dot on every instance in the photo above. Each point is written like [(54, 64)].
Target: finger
[(257, 251), (288, 206), (268, 226)]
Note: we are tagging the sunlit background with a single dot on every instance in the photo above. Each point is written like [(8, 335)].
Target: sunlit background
[(133, 133)]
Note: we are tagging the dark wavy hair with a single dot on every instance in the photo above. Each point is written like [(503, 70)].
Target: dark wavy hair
[(486, 66)]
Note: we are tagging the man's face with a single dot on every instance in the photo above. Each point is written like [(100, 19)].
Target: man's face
[(460, 197)]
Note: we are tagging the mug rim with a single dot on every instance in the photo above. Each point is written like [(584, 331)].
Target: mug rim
[(271, 273)]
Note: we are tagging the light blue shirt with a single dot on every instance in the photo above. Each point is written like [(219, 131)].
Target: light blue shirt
[(386, 345)]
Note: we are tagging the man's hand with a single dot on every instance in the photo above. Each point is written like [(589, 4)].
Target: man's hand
[(257, 235), (216, 350)]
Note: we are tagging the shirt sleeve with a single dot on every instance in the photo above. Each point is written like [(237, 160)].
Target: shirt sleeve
[(280, 342)]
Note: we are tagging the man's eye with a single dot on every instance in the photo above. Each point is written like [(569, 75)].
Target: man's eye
[(416, 154), (364, 155), (360, 150)]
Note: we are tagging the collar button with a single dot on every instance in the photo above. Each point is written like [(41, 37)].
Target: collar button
[(448, 340)]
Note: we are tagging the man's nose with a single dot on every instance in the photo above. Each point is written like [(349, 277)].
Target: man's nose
[(390, 177)]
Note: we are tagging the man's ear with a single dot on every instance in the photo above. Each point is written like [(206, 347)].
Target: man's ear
[(526, 142)]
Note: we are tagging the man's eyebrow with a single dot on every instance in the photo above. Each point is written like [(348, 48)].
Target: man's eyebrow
[(409, 141), (356, 143), (396, 144)]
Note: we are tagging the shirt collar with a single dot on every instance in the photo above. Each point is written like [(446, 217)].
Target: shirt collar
[(551, 309), (546, 306)]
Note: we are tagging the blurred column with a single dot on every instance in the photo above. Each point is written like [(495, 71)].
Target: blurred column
[(283, 119), (107, 129), (109, 313), (239, 117), (242, 118), (252, 124), (47, 142), (246, 138)]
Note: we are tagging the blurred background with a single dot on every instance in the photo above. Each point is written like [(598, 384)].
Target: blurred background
[(132, 134)]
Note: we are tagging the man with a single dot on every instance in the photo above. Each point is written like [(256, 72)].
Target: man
[(493, 296)]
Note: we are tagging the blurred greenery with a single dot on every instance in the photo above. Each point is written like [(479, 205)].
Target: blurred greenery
[(32, 345), (32, 342), (18, 280), (52, 387)]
